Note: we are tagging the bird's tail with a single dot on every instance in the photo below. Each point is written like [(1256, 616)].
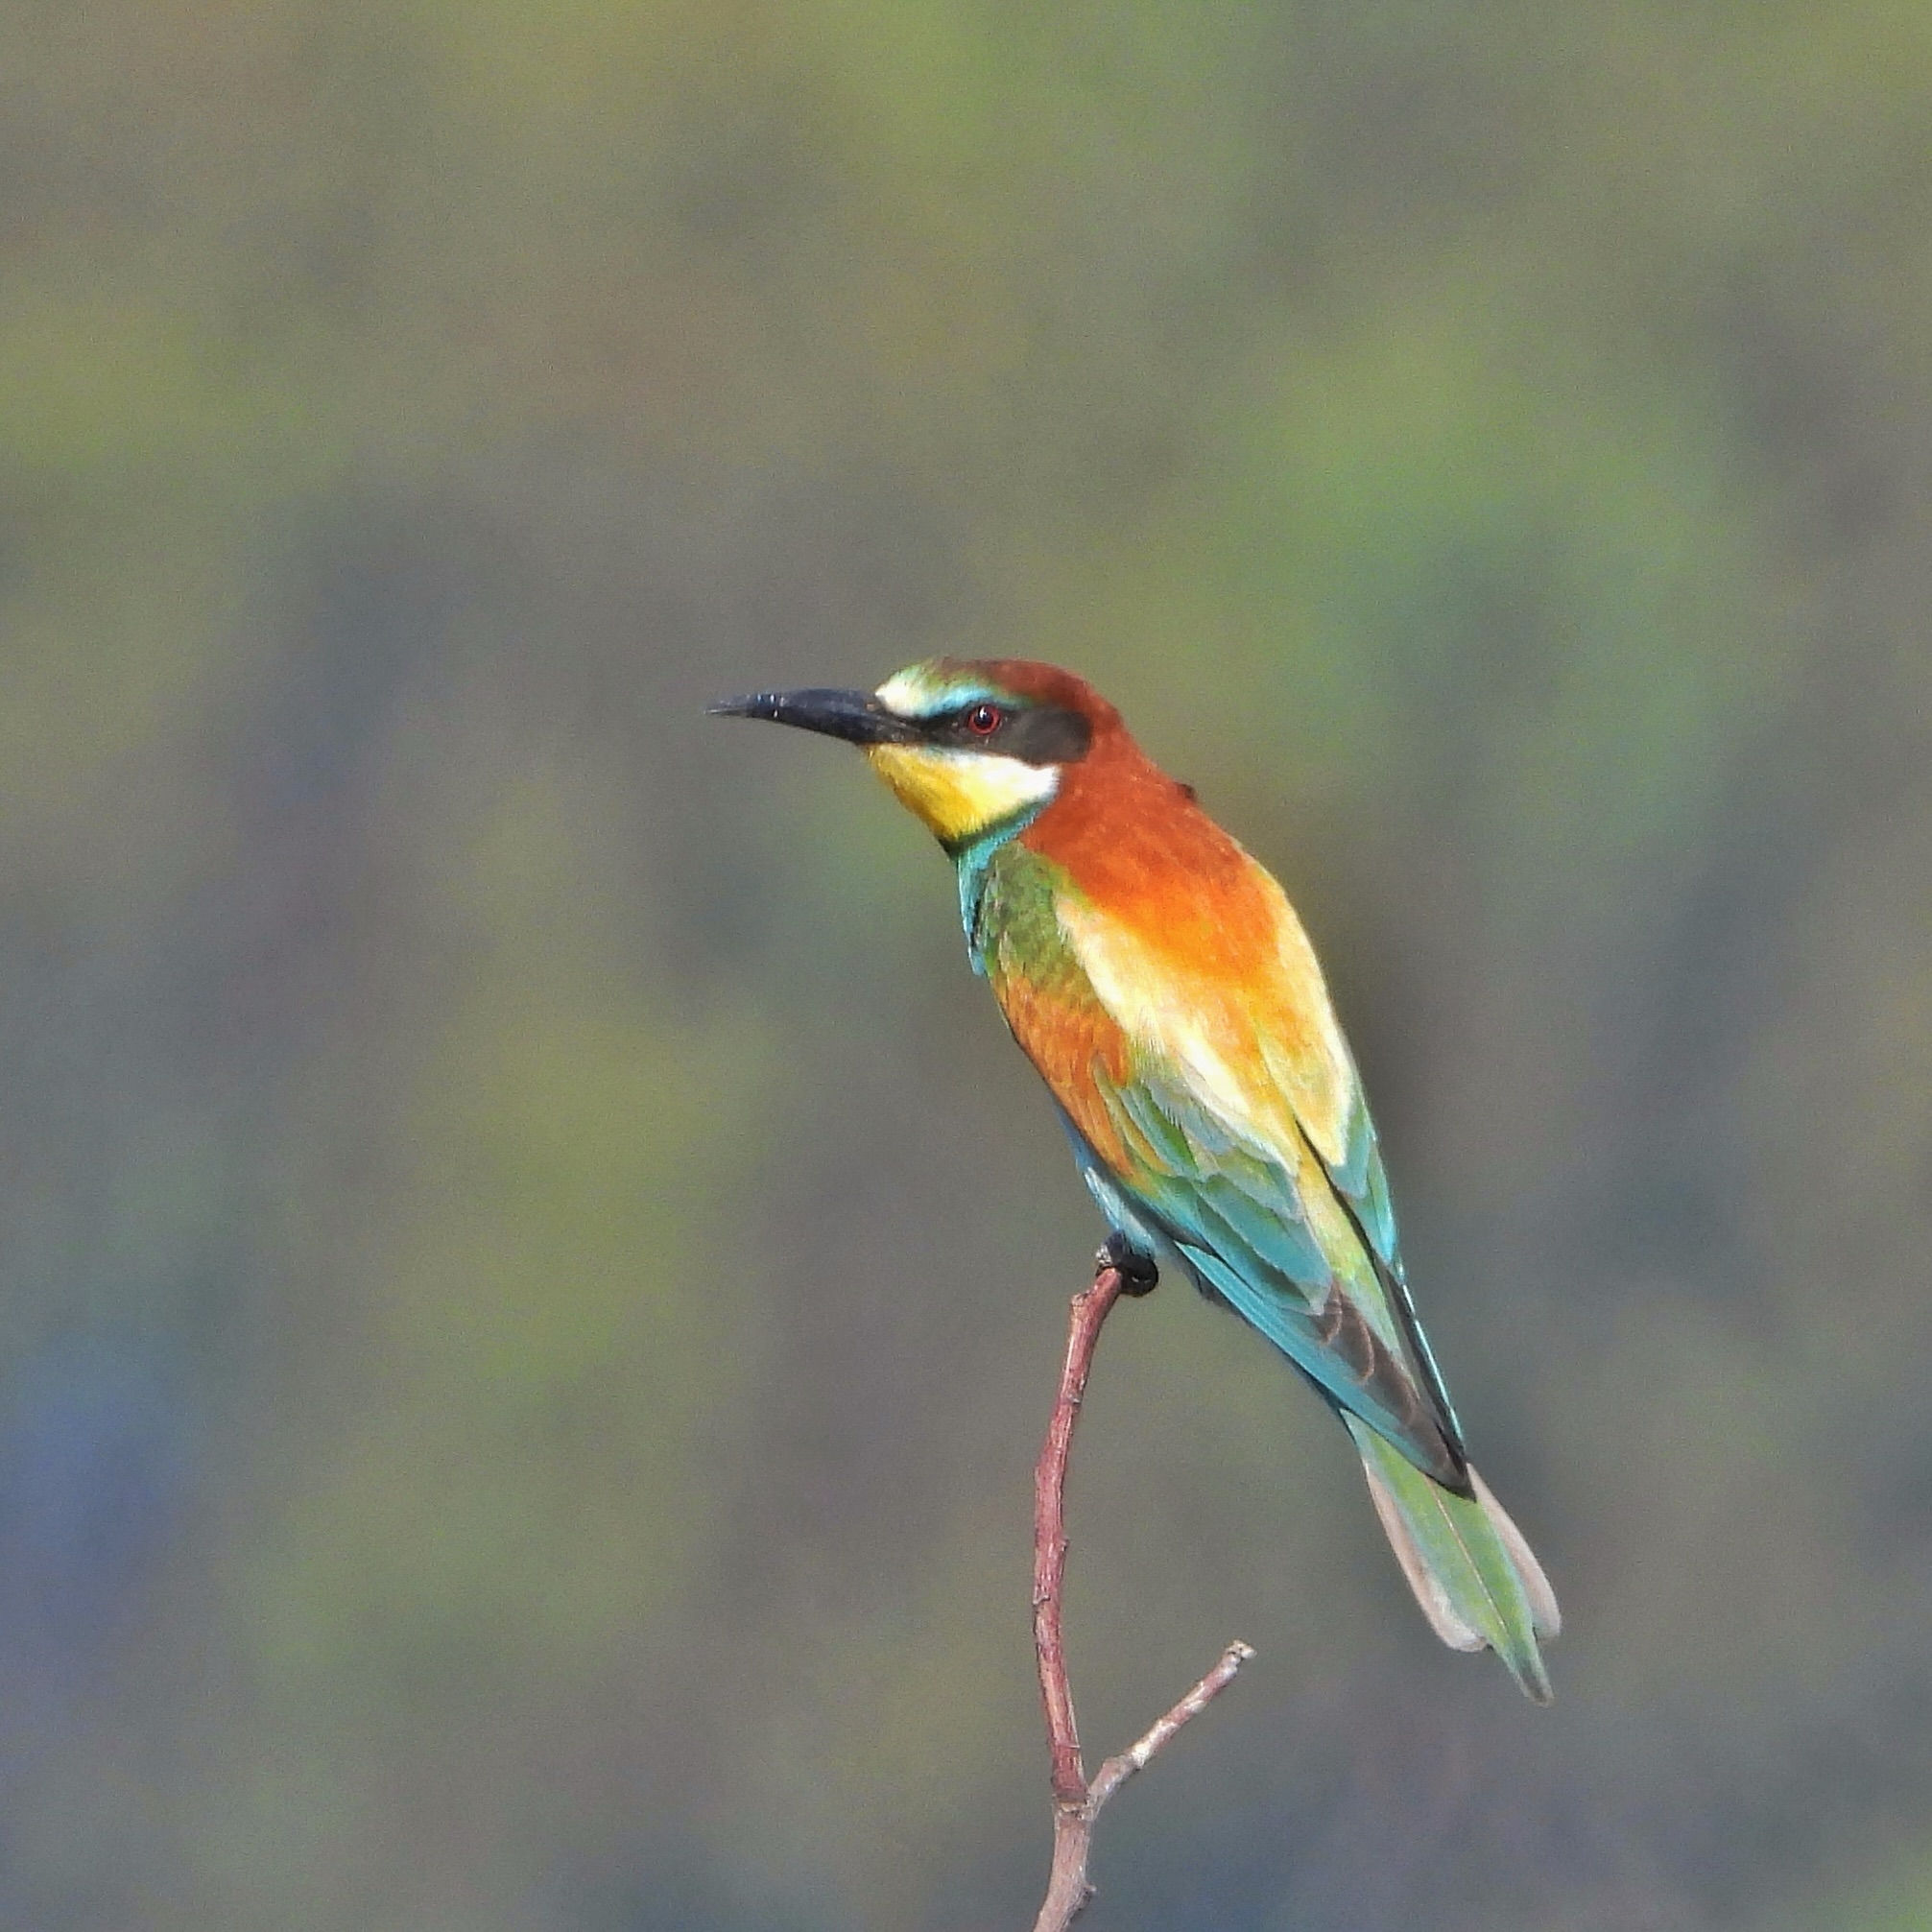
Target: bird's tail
[(1474, 1576)]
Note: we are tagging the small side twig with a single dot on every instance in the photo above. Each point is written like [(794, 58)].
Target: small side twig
[(1077, 1804)]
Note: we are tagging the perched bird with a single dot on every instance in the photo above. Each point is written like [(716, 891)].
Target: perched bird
[(1158, 979)]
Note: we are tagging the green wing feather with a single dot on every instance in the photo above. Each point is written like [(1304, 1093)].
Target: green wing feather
[(1287, 1253), (1341, 1313)]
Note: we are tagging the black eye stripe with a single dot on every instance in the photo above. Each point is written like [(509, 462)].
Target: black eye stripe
[(1036, 734)]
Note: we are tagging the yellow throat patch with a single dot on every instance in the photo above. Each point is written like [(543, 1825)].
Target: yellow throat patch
[(959, 794)]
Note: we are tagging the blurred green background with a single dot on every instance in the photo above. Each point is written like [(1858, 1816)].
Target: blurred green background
[(531, 1275)]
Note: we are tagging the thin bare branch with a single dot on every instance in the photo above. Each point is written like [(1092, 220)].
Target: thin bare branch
[(1075, 1804), (1116, 1771), (1090, 1308)]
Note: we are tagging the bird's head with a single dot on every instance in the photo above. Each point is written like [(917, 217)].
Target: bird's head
[(969, 748)]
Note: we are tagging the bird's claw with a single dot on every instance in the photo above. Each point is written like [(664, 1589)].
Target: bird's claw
[(1139, 1276)]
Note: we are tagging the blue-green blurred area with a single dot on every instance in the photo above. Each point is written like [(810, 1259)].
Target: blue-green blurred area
[(531, 1274)]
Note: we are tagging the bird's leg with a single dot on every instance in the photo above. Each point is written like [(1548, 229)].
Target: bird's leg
[(1139, 1276)]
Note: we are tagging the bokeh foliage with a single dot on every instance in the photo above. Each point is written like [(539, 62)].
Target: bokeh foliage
[(530, 1274)]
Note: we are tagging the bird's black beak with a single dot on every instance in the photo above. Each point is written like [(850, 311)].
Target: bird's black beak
[(856, 716)]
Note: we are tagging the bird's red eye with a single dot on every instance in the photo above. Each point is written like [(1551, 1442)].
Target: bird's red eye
[(984, 720)]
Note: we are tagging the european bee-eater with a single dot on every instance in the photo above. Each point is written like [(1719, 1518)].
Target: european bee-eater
[(1158, 979)]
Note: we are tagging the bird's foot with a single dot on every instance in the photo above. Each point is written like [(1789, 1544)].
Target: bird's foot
[(1139, 1276)]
